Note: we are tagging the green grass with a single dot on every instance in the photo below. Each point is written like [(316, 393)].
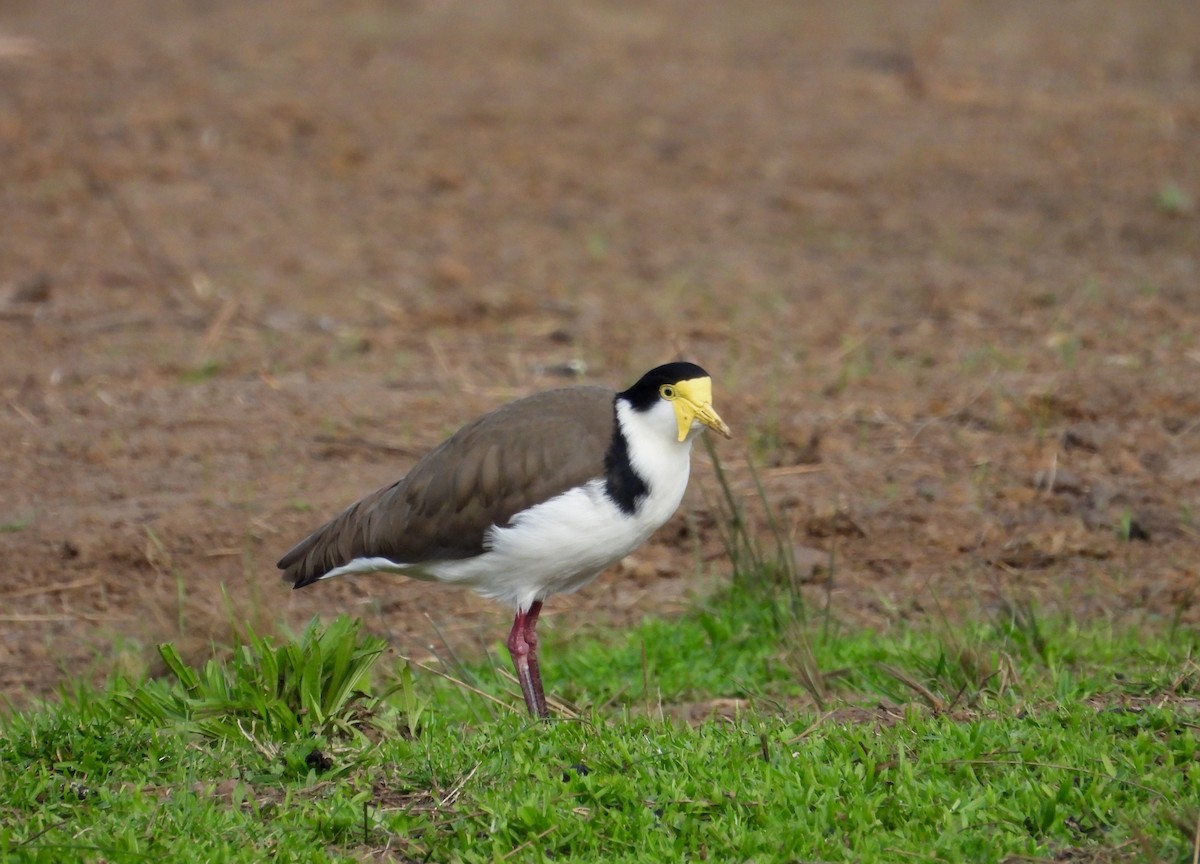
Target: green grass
[(1015, 737), (1173, 201), (202, 372)]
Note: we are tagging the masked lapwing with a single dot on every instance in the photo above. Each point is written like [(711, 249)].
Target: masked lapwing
[(533, 499)]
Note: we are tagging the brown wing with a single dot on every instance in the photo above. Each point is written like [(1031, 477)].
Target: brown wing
[(506, 461)]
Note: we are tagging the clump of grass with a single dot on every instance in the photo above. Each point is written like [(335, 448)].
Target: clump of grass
[(313, 686), (757, 567), (766, 574), (1173, 201), (200, 373)]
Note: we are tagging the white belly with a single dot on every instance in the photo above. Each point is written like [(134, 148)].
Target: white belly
[(560, 545)]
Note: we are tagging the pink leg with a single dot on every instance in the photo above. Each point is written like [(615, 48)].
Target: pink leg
[(535, 672), (522, 646)]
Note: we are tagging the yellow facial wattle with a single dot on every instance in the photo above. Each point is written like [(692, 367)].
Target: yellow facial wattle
[(692, 402)]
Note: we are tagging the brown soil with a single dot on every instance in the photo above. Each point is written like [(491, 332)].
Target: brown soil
[(944, 265)]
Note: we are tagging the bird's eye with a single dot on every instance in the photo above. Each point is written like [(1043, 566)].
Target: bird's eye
[(666, 391)]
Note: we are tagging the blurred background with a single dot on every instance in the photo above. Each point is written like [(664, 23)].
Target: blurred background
[(941, 258)]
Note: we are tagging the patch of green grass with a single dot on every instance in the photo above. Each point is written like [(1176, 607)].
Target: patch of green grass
[(597, 245), (985, 666), (1014, 737), (1173, 201), (203, 372), (14, 525)]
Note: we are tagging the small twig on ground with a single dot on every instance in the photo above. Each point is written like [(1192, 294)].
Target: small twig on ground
[(38, 618), (925, 693), (161, 267), (49, 589), (791, 470), (456, 790), (527, 843), (217, 328), (558, 705), (366, 444), (816, 724), (459, 683), (25, 415), (945, 415), (17, 313)]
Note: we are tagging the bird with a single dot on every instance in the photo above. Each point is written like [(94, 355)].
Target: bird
[(532, 499)]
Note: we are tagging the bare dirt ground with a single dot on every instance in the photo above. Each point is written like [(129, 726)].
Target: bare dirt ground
[(943, 263)]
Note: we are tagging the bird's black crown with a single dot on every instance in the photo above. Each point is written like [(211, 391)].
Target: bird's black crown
[(644, 393)]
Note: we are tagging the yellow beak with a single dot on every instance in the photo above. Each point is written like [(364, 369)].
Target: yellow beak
[(693, 401)]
